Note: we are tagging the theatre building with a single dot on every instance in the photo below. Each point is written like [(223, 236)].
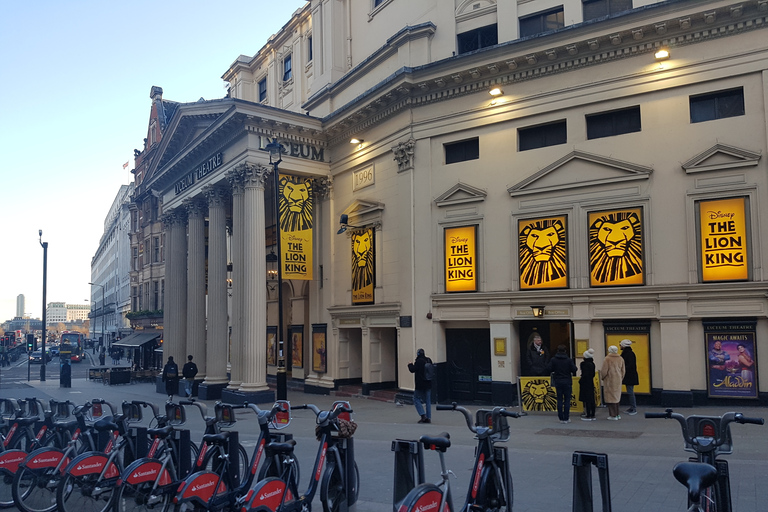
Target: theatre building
[(458, 176)]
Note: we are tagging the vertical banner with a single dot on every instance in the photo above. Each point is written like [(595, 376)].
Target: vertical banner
[(319, 353), (543, 251), (723, 233), (297, 346), (363, 266), (616, 248), (639, 334), (731, 359), (295, 206), (272, 345), (461, 259)]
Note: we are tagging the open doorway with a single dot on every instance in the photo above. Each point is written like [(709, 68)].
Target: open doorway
[(553, 333)]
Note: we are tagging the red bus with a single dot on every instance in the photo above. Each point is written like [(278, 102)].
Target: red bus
[(72, 343)]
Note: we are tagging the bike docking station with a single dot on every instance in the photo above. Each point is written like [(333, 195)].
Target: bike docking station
[(582, 481), (409, 468)]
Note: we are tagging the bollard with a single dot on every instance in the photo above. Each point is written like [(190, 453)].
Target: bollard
[(409, 468), (582, 481)]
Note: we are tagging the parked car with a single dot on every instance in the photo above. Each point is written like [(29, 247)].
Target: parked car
[(37, 357)]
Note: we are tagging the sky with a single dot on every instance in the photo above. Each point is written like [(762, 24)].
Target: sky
[(75, 79)]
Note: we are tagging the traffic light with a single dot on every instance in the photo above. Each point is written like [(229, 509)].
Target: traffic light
[(31, 342)]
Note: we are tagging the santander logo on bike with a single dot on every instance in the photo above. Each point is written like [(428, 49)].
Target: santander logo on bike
[(200, 487), (427, 506), (269, 494)]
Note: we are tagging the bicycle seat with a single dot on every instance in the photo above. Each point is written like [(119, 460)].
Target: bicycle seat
[(23, 422), (440, 443), (105, 424), (161, 432), (64, 424), (281, 448), (219, 439), (695, 476)]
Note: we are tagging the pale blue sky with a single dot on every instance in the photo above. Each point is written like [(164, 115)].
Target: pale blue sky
[(75, 78)]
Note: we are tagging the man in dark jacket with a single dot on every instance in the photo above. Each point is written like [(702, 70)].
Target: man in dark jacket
[(171, 377), (188, 372), (631, 378), (537, 357), (422, 395), (562, 369)]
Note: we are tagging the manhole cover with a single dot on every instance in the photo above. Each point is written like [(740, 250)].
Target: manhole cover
[(610, 434)]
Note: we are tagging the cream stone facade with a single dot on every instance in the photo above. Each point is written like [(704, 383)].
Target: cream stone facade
[(621, 161)]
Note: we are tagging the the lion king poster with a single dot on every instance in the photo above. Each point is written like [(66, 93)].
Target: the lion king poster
[(295, 207), (616, 248), (543, 253), (363, 266), (538, 395)]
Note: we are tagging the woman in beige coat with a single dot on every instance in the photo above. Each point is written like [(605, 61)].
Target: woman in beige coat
[(612, 373)]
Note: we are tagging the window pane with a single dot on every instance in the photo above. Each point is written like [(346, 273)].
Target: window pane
[(287, 74), (613, 123), (462, 151), (717, 105), (542, 136), (478, 38)]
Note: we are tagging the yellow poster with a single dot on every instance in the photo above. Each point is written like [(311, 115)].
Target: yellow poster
[(616, 248), (641, 347), (295, 206), (537, 395), (723, 231), (363, 266), (460, 259), (543, 253)]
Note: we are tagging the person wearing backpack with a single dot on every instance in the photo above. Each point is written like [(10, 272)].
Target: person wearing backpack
[(171, 377), (424, 372)]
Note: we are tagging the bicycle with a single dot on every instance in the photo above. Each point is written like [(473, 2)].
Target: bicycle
[(340, 479), (490, 484), (706, 476)]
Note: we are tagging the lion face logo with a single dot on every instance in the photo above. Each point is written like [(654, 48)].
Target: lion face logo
[(542, 252), (615, 248), (538, 395), (362, 256), (295, 204)]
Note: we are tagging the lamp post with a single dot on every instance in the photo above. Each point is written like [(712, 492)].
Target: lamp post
[(102, 311), (44, 245), (275, 157)]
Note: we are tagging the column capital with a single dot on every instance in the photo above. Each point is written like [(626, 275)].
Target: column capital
[(177, 216), (196, 207), (321, 187), (255, 176), (217, 196), (404, 155), (236, 179)]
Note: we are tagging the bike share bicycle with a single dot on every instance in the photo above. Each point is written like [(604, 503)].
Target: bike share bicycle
[(490, 484), (339, 487), (706, 476)]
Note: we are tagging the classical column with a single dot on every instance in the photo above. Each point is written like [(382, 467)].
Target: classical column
[(175, 307), (235, 178), (196, 209), (218, 335), (254, 281)]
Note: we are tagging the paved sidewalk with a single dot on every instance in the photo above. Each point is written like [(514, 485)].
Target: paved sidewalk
[(641, 452)]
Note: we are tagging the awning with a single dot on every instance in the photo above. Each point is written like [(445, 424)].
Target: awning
[(136, 340)]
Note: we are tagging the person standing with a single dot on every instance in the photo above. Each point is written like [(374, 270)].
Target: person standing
[(188, 372), (631, 378), (102, 357), (422, 395), (562, 369), (171, 377), (612, 374), (587, 385), (537, 357)]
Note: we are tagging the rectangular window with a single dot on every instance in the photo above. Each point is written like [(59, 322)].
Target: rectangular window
[(542, 22), (717, 105), (156, 249), (287, 69), (594, 9), (135, 259), (542, 136), (145, 255), (155, 295), (162, 294), (478, 38), (134, 299), (263, 89), (462, 151), (617, 122), (141, 305), (309, 48)]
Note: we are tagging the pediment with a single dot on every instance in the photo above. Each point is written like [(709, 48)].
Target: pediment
[(364, 212), (721, 157), (460, 193), (579, 169), (472, 8)]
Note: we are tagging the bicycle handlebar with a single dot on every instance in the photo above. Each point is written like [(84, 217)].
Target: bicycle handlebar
[(480, 430), (702, 443), (155, 409)]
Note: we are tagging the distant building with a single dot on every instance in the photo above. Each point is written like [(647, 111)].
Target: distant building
[(77, 312), (55, 313), (20, 305)]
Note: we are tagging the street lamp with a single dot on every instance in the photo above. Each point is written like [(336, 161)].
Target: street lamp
[(275, 157), (102, 312), (44, 245)]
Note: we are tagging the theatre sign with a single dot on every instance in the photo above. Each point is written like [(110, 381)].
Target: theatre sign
[(199, 172)]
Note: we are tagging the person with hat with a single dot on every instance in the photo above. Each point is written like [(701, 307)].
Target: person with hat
[(562, 369), (631, 378), (422, 395), (587, 385), (612, 373)]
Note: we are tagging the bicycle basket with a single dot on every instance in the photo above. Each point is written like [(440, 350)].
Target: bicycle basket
[(132, 412), (8, 408), (176, 414), (708, 426), (61, 410), (282, 417), (225, 415), (484, 418), (346, 428)]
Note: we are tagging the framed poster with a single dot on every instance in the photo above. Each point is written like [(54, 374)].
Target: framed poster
[(499, 346), (543, 251), (272, 345), (319, 353), (724, 242), (639, 334), (731, 361), (616, 248), (538, 395), (296, 225), (460, 259), (297, 346), (363, 266)]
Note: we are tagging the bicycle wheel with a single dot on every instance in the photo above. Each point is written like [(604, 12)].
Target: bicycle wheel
[(424, 497), (212, 456), (20, 441), (85, 493), (495, 495), (139, 497), (34, 490), (332, 490), (274, 468), (6, 489)]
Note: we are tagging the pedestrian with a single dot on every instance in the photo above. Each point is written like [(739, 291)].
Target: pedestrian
[(587, 385), (537, 357), (562, 368), (102, 356), (171, 377), (188, 372), (631, 378), (422, 395), (612, 373)]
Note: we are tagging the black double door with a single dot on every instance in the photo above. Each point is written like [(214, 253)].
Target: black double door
[(468, 354)]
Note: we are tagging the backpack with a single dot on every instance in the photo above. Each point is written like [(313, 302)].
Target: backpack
[(429, 370)]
